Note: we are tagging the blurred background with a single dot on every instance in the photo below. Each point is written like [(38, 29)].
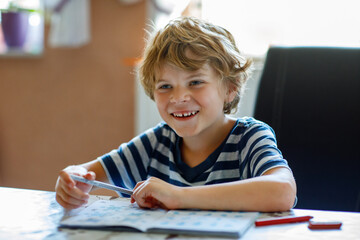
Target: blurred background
[(68, 88)]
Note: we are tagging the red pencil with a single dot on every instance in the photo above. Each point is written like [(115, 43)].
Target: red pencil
[(324, 225), (281, 220)]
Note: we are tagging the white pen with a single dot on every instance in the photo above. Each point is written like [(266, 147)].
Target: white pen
[(101, 184)]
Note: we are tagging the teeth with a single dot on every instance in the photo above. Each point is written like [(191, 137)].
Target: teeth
[(185, 114)]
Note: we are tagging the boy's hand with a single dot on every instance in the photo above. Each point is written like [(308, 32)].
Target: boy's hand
[(69, 193), (156, 193)]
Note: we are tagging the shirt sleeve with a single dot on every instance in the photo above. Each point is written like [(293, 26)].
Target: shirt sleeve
[(262, 152)]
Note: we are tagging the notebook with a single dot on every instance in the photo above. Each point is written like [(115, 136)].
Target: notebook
[(123, 216)]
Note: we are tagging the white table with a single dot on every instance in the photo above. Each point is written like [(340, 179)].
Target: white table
[(32, 214)]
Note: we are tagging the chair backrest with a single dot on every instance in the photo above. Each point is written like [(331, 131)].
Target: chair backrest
[(311, 98)]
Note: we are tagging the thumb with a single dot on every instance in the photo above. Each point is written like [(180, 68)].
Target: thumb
[(84, 186), (90, 175)]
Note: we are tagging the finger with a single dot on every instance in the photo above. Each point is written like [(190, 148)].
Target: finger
[(141, 189), (137, 197), (66, 179), (65, 204), (144, 204), (74, 191), (144, 201), (90, 175), (155, 203), (66, 199), (142, 195), (135, 192), (84, 187), (152, 202), (138, 184)]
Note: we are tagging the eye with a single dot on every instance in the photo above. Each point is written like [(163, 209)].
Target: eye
[(164, 86), (195, 82)]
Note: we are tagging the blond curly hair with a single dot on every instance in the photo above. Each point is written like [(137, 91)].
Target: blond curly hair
[(209, 43)]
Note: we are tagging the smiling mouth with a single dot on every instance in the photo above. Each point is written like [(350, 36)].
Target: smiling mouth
[(184, 115)]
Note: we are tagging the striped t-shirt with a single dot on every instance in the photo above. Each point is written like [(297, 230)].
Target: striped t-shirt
[(248, 151)]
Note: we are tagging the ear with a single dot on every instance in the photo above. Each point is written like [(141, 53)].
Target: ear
[(231, 93)]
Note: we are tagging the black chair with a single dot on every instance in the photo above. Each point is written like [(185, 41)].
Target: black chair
[(311, 98)]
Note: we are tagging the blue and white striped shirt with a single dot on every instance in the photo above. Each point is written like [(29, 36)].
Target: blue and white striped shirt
[(249, 150)]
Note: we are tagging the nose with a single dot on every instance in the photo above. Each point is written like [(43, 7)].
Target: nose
[(180, 95)]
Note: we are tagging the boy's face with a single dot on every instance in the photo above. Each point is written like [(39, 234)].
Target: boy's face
[(191, 102)]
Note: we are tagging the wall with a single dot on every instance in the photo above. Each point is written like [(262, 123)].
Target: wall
[(70, 105)]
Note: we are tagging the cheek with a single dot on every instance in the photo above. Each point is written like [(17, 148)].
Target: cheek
[(160, 102), (211, 98)]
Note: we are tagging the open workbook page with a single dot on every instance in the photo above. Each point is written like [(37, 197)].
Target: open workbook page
[(122, 215)]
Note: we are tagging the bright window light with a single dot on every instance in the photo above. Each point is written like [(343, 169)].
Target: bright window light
[(258, 24)]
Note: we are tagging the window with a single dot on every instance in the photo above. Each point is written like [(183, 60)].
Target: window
[(22, 27), (257, 24)]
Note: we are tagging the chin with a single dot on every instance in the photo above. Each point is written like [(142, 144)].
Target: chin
[(185, 132), (184, 129)]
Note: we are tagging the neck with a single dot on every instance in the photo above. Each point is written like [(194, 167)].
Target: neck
[(208, 140)]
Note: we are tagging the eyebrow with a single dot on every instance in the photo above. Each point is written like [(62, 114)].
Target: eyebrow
[(197, 74), (192, 75)]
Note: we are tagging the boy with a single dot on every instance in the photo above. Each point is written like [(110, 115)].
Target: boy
[(198, 157)]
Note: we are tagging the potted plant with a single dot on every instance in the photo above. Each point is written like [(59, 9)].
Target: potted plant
[(15, 22)]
